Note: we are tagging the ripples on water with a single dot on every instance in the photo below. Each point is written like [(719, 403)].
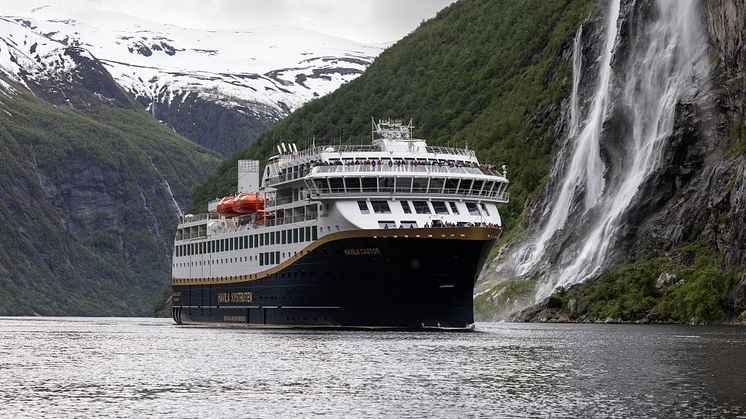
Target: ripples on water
[(149, 367)]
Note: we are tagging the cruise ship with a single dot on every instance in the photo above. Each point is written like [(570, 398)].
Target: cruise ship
[(391, 234)]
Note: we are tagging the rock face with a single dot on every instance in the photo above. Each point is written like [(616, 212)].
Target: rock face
[(701, 186), (696, 192), (90, 186)]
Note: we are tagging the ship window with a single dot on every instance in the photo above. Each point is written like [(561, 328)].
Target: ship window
[(387, 224), (451, 186), (484, 208), (321, 185), (236, 243), (380, 207), (419, 185), (336, 184), (454, 208), (245, 242), (251, 242), (436, 185), (261, 259), (404, 184), (266, 239), (405, 207), (363, 207), (261, 240), (295, 235), (277, 237), (301, 235), (271, 238), (477, 186), (465, 186), (277, 256), (370, 184), (472, 207), (352, 184), (440, 207), (315, 233), (230, 244), (308, 234), (385, 184), (421, 207), (409, 224), (284, 236)]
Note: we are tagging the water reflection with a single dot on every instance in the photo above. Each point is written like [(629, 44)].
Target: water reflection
[(146, 367)]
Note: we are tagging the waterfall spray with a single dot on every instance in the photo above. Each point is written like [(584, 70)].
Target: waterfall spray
[(666, 59)]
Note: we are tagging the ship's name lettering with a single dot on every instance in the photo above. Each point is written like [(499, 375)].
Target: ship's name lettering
[(234, 319), (362, 251), (235, 297)]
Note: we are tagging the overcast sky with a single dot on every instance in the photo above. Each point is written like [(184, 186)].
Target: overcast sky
[(361, 20)]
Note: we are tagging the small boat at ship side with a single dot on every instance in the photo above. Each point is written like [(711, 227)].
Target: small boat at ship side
[(391, 234)]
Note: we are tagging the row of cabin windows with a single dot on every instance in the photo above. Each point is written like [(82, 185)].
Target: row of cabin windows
[(409, 185), (269, 258), (423, 207), (294, 235)]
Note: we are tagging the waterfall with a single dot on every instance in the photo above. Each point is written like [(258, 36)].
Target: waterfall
[(168, 188), (666, 61)]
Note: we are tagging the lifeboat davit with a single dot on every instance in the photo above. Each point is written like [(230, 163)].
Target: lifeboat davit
[(225, 206), (246, 203), (263, 216)]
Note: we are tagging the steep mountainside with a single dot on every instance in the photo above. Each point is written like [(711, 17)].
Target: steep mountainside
[(662, 236), (90, 186), (218, 88)]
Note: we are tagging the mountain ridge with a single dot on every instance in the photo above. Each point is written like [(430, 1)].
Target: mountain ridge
[(246, 79)]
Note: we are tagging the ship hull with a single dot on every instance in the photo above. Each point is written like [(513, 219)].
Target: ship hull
[(395, 280)]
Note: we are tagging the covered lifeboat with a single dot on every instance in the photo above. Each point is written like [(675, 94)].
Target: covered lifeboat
[(246, 203), (225, 206)]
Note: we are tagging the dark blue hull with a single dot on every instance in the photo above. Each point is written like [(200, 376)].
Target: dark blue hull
[(382, 280)]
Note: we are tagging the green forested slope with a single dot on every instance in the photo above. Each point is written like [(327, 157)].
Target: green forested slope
[(87, 220), (488, 72)]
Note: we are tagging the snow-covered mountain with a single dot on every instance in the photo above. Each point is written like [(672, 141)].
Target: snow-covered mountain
[(191, 79)]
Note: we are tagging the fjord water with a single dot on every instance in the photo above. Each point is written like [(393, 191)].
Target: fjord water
[(120, 367), (666, 63)]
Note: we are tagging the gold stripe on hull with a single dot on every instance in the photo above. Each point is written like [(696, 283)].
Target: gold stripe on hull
[(457, 233)]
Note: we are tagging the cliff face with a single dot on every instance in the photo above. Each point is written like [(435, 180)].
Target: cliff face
[(90, 191), (681, 234)]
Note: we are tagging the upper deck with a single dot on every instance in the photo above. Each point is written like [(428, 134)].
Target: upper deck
[(394, 154)]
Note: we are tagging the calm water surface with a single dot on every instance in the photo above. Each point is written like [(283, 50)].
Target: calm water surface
[(148, 367)]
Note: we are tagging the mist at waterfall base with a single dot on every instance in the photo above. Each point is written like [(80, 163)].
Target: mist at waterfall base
[(614, 142)]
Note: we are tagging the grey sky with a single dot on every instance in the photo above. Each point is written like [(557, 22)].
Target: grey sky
[(360, 20)]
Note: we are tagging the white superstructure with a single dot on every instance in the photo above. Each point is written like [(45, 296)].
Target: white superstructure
[(397, 182)]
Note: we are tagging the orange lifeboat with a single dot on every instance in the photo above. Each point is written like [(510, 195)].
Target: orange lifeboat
[(225, 206), (246, 203)]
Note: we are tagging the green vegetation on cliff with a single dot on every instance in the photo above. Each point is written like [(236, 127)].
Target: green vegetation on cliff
[(685, 284), (490, 73), (87, 217)]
